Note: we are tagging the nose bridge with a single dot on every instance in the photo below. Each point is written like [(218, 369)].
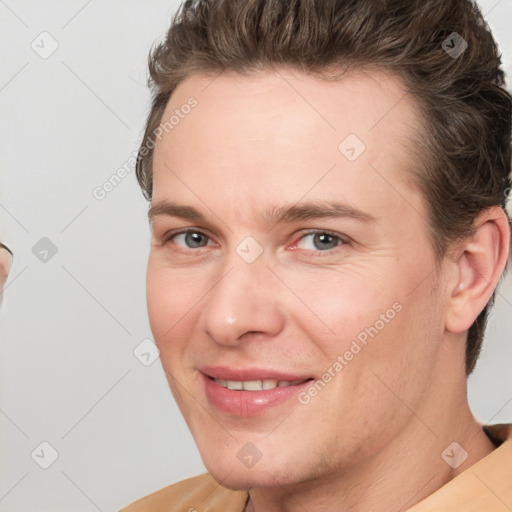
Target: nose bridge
[(241, 301)]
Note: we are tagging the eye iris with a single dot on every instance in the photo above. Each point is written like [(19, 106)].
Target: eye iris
[(325, 241), (195, 240)]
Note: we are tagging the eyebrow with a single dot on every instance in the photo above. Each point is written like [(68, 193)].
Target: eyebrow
[(170, 209), (274, 215), (316, 210)]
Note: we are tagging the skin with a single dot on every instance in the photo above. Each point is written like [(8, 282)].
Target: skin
[(5, 267), (373, 437)]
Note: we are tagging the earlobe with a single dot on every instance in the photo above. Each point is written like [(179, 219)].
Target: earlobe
[(478, 268)]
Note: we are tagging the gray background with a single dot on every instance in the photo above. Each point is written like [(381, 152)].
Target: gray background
[(71, 320)]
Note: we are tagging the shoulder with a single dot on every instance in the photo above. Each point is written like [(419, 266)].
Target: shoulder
[(200, 493), (486, 485)]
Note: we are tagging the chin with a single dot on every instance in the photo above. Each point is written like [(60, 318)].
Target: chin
[(239, 478), (244, 480)]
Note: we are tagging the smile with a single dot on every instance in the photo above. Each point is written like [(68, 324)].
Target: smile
[(250, 392)]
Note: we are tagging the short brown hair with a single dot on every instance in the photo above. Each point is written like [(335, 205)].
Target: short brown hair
[(466, 110)]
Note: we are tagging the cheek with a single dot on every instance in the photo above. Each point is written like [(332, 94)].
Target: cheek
[(160, 300), (173, 302), (339, 305), (371, 319)]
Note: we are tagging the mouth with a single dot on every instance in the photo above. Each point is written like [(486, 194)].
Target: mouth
[(250, 392)]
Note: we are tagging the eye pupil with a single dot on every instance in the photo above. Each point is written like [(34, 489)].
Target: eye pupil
[(195, 239), (325, 241)]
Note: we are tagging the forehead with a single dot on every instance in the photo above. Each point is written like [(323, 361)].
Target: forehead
[(275, 135)]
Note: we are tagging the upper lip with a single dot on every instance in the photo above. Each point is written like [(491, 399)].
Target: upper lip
[(246, 374)]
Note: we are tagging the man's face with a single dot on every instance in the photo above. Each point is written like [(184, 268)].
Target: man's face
[(345, 274)]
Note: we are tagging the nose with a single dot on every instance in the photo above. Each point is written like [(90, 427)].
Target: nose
[(244, 304)]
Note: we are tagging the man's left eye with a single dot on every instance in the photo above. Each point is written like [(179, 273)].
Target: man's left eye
[(319, 242)]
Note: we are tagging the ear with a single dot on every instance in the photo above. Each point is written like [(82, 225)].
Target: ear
[(478, 264)]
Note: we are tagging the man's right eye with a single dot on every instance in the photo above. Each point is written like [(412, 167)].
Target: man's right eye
[(189, 239)]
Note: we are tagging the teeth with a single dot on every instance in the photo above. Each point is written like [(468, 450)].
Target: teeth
[(253, 385), (269, 384), (256, 385)]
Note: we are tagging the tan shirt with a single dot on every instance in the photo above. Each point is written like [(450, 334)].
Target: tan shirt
[(484, 487)]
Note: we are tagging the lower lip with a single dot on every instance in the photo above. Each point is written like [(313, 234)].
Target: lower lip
[(248, 403)]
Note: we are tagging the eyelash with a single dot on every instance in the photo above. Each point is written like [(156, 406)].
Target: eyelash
[(343, 241)]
